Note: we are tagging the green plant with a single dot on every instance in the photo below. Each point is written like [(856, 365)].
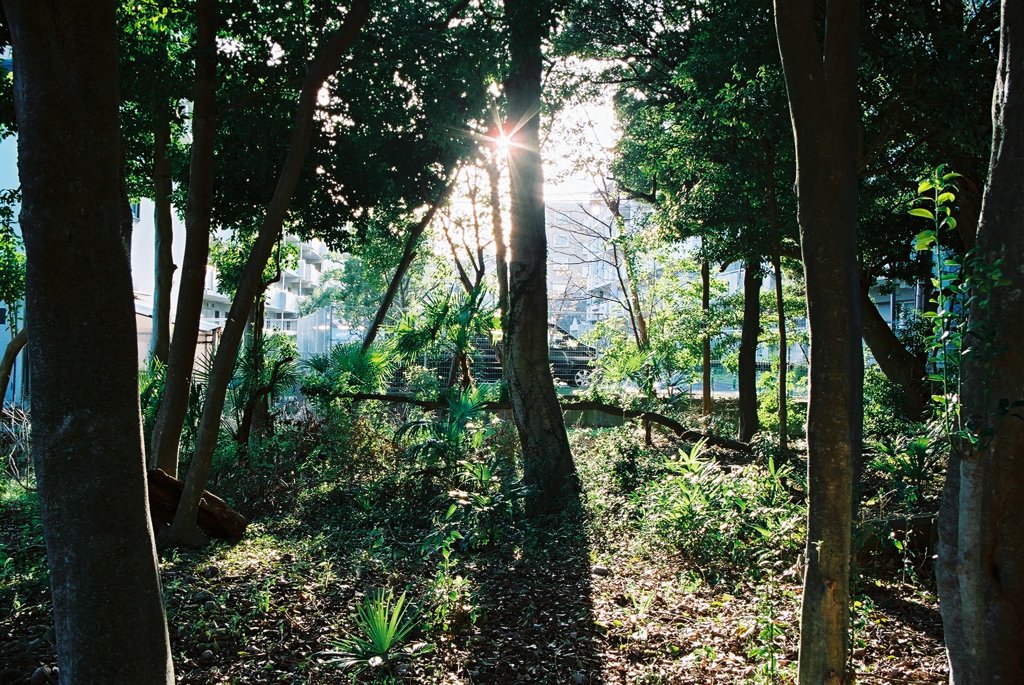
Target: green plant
[(911, 463), (384, 624)]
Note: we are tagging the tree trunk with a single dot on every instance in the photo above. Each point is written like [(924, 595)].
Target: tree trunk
[(170, 418), (980, 568), (408, 254), (780, 301), (86, 433), (821, 81), (705, 306), (11, 352), (747, 380), (547, 460), (163, 259), (898, 365), (183, 530), (500, 257), (780, 305)]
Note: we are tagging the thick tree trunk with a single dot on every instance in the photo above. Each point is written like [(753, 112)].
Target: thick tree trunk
[(87, 438), (547, 461), (747, 380), (408, 255), (11, 352), (163, 259), (170, 418), (980, 568), (183, 530), (898, 365), (822, 86), (705, 306)]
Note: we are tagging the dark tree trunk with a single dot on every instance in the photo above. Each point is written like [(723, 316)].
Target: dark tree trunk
[(751, 329), (895, 361), (705, 306), (980, 569), (183, 530), (87, 440), (780, 301), (170, 418), (547, 461), (821, 81), (11, 352), (408, 255), (162, 259)]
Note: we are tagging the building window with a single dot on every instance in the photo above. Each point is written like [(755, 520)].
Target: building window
[(136, 211)]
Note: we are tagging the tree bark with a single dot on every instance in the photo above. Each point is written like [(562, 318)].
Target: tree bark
[(87, 437), (705, 306), (163, 259), (11, 352), (547, 461), (497, 227), (780, 302), (821, 82), (408, 255), (170, 418), (183, 530), (751, 328), (980, 567), (898, 364)]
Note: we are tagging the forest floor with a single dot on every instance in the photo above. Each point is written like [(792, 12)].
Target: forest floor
[(586, 598)]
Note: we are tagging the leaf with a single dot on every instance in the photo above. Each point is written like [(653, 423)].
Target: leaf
[(922, 212), (924, 239), (923, 186), (944, 198)]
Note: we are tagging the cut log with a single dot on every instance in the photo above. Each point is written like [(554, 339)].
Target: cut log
[(215, 519)]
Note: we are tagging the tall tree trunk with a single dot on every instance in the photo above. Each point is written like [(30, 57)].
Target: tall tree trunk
[(821, 81), (780, 304), (705, 306), (497, 227), (170, 418), (547, 462), (751, 328), (980, 569), (408, 255), (895, 361), (14, 347), (184, 530), (163, 259), (87, 437)]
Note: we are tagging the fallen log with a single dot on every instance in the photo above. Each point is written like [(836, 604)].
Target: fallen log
[(215, 518), (584, 405)]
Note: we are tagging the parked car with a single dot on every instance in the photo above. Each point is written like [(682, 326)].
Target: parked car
[(571, 361)]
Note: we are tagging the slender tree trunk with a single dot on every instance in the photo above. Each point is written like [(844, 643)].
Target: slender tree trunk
[(11, 352), (705, 306), (899, 365), (170, 418), (87, 437), (780, 305), (183, 530), (408, 255), (821, 81), (501, 258), (980, 568), (751, 328), (547, 460), (162, 259)]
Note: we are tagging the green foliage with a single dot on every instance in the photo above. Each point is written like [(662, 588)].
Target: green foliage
[(347, 369), (768, 399), (229, 256), (384, 624), (730, 523), (12, 259), (911, 464), (440, 442)]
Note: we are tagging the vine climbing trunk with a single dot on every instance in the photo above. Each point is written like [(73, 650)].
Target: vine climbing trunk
[(819, 60), (980, 567), (86, 431), (547, 461), (751, 328), (183, 530), (181, 356)]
